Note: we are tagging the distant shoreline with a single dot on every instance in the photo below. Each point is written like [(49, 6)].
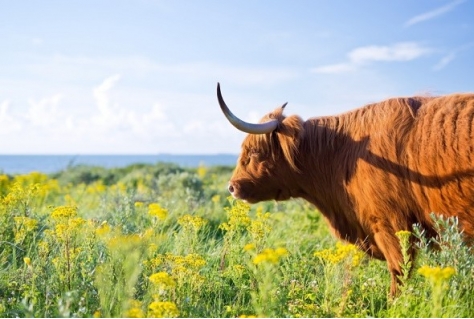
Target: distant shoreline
[(22, 164)]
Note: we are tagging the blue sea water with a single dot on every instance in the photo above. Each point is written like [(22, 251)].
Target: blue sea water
[(22, 164)]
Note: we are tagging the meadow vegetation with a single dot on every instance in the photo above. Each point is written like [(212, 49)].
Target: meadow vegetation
[(166, 241)]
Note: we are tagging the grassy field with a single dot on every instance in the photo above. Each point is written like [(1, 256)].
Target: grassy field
[(164, 241)]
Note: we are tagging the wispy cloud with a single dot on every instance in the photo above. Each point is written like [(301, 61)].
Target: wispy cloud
[(451, 55), (404, 51), (444, 61), (433, 13)]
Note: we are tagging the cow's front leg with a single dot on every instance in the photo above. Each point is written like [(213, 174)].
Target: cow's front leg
[(389, 245)]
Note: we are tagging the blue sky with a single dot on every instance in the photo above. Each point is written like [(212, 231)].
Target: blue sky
[(139, 77)]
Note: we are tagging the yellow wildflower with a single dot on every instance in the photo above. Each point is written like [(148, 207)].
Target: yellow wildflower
[(271, 256), (340, 253), (162, 280), (18, 194), (24, 225), (139, 204), (28, 223), (259, 227), (75, 223), (189, 222), (436, 274), (135, 310), (162, 309), (182, 267), (194, 261), (4, 181), (202, 170), (43, 248), (250, 246), (97, 187), (238, 217), (103, 229), (124, 242), (27, 261), (156, 210), (216, 199), (403, 233), (64, 212)]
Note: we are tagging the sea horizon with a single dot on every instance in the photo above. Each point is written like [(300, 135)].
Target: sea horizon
[(51, 163)]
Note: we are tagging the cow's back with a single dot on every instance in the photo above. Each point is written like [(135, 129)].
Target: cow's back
[(440, 158), (415, 156)]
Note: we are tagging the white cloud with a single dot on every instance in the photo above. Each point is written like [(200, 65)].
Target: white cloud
[(403, 51), (101, 94), (335, 68), (433, 13), (8, 124), (110, 116), (44, 112)]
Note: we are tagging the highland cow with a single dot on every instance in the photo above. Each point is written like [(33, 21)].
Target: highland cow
[(371, 172)]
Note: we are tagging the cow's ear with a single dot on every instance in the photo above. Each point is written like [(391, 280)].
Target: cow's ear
[(290, 132)]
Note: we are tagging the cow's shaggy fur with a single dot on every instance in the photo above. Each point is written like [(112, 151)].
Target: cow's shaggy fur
[(371, 172)]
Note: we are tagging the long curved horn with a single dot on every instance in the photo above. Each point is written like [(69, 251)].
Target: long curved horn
[(261, 128)]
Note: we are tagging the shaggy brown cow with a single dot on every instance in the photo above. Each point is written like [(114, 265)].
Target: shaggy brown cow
[(371, 172)]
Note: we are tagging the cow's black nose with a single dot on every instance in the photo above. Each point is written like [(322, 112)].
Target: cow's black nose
[(231, 188)]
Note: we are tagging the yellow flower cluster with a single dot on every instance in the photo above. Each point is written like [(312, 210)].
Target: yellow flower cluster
[(31, 179), (134, 310), (436, 274), (271, 256), (18, 194), (64, 212), (191, 261), (250, 246), (66, 224), (189, 222), (260, 227), (66, 230), (238, 217), (97, 187), (341, 252), (24, 225), (157, 211), (124, 242), (163, 309), (103, 229), (182, 267), (24, 188), (4, 181), (162, 280), (403, 233)]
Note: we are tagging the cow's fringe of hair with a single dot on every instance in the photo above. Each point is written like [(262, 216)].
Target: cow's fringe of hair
[(286, 137)]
